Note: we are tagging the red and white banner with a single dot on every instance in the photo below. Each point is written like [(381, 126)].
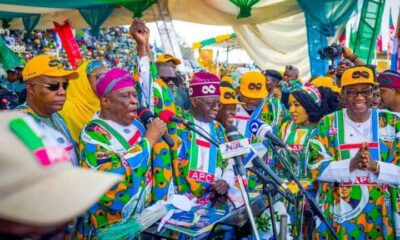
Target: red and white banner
[(69, 43)]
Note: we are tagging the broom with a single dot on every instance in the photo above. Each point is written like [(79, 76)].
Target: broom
[(135, 225)]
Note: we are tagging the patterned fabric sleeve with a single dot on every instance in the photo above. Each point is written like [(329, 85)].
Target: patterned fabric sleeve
[(97, 154), (274, 113), (319, 155)]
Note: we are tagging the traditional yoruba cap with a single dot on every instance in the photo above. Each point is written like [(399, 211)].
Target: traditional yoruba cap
[(46, 65), (228, 96), (204, 84), (113, 80), (273, 74), (389, 79), (166, 57), (357, 75), (38, 184), (253, 85), (327, 82), (310, 90)]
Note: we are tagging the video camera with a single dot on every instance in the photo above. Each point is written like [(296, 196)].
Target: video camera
[(332, 52)]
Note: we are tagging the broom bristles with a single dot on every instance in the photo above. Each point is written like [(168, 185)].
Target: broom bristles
[(135, 225)]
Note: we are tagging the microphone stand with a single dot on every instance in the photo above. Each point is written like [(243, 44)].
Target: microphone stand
[(239, 177), (193, 128), (270, 189), (313, 204), (246, 199)]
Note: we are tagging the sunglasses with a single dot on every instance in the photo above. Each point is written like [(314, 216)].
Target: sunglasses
[(364, 92), (52, 86)]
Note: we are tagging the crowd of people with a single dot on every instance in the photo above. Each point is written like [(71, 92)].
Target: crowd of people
[(343, 131)]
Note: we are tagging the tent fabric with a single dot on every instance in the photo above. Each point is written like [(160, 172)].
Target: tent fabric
[(322, 20), (274, 35), (95, 16), (30, 23), (276, 44)]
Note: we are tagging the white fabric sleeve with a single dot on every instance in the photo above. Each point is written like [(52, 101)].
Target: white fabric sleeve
[(388, 174), (229, 174), (144, 70), (337, 171)]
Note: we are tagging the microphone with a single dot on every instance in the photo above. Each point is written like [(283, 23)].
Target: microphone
[(263, 131), (232, 134), (168, 117), (146, 116)]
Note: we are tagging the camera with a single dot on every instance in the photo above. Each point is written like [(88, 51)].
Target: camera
[(334, 51)]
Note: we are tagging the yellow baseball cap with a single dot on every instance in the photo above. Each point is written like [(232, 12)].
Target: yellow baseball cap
[(166, 57), (357, 75), (47, 65), (253, 85), (227, 79), (228, 96), (326, 82)]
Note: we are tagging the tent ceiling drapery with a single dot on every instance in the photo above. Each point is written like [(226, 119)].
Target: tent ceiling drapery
[(275, 34)]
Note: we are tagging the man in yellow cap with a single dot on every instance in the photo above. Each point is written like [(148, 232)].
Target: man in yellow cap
[(166, 65), (46, 83), (253, 93), (229, 102), (327, 82), (350, 148)]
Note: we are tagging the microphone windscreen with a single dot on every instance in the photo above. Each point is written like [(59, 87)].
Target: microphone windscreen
[(145, 115), (232, 133), (166, 115)]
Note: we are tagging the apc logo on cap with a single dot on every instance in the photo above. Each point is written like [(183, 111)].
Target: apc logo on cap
[(54, 63), (208, 89), (229, 95), (255, 86)]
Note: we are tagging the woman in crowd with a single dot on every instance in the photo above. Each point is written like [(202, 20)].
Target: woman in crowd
[(82, 102), (306, 109)]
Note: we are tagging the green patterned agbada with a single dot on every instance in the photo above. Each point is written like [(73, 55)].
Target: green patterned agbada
[(364, 207), (161, 98), (189, 181), (104, 148)]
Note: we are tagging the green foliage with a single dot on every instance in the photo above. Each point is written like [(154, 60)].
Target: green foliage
[(244, 6)]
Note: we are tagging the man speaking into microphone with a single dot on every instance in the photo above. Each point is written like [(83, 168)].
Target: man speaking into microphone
[(115, 141), (202, 171)]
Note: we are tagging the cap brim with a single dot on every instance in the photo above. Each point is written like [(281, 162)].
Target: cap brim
[(231, 102), (176, 61), (360, 82), (258, 94), (56, 199), (71, 75)]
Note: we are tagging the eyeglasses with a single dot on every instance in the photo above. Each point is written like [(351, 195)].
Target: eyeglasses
[(364, 92), (52, 86), (211, 104)]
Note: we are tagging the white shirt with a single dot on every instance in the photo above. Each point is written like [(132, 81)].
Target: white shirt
[(339, 171), (144, 71)]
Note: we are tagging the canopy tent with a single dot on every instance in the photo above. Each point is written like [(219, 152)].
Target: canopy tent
[(274, 35)]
